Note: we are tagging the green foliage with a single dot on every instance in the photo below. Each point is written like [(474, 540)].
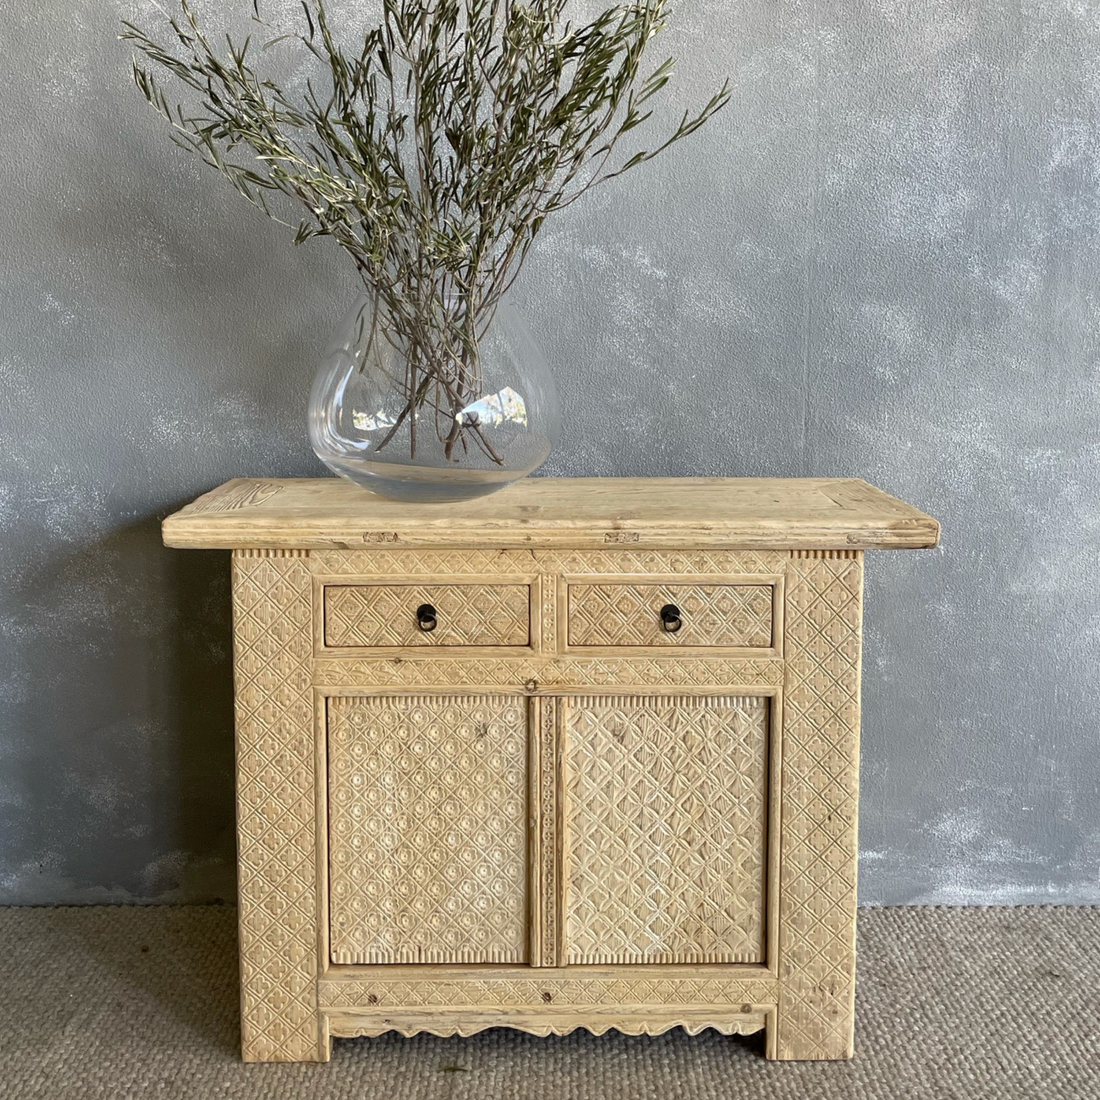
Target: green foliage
[(432, 151)]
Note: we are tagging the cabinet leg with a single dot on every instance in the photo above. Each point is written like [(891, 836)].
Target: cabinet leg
[(820, 785), (267, 1039), (818, 1026), (276, 807)]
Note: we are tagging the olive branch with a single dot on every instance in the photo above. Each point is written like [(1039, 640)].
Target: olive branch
[(432, 153)]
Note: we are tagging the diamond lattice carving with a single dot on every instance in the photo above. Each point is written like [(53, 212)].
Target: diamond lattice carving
[(722, 563), (629, 614), (428, 829), (411, 562), (467, 614), (666, 800), (820, 788), (275, 806)]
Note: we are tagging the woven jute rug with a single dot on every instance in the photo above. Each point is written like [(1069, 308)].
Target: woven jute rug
[(967, 1003)]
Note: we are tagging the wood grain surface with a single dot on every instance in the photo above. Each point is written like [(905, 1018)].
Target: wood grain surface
[(567, 512)]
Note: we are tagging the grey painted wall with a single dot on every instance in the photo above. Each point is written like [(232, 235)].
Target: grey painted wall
[(881, 260)]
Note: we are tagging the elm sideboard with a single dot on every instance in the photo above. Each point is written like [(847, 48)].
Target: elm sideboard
[(583, 753)]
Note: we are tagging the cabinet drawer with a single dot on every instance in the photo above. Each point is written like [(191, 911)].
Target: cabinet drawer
[(361, 615), (620, 614)]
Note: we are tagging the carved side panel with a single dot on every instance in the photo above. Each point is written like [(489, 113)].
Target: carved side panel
[(466, 614), (428, 829), (276, 807), (820, 787), (665, 829)]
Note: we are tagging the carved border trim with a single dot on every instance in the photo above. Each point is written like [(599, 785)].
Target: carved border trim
[(428, 560), (269, 553), (568, 990), (653, 1021), (827, 555), (546, 672), (548, 584), (546, 867)]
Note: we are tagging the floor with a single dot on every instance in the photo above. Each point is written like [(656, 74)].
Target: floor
[(967, 1003)]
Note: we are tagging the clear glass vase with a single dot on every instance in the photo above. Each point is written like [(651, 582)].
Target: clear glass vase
[(470, 415)]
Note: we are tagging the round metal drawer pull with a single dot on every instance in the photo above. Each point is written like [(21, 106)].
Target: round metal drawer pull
[(426, 617), (670, 618)]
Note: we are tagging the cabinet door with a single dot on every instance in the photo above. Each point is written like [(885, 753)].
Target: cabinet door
[(665, 829), (427, 829)]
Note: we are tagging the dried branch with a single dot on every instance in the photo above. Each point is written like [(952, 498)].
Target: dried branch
[(432, 153)]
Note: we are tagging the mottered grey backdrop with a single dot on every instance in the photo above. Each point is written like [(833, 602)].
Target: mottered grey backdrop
[(881, 260)]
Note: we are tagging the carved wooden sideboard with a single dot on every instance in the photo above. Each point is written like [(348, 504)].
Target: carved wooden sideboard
[(580, 753)]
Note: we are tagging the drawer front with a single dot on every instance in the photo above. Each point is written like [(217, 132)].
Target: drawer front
[(361, 615), (427, 829), (739, 615), (665, 829)]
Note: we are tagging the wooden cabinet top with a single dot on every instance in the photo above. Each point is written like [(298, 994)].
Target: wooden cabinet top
[(818, 513)]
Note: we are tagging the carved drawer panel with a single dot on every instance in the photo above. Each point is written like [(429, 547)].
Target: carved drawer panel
[(665, 830), (708, 615), (427, 833), (361, 615)]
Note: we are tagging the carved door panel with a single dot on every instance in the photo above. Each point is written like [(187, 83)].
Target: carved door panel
[(665, 832), (427, 799)]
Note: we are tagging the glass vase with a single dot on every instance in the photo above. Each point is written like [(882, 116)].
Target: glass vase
[(467, 412)]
